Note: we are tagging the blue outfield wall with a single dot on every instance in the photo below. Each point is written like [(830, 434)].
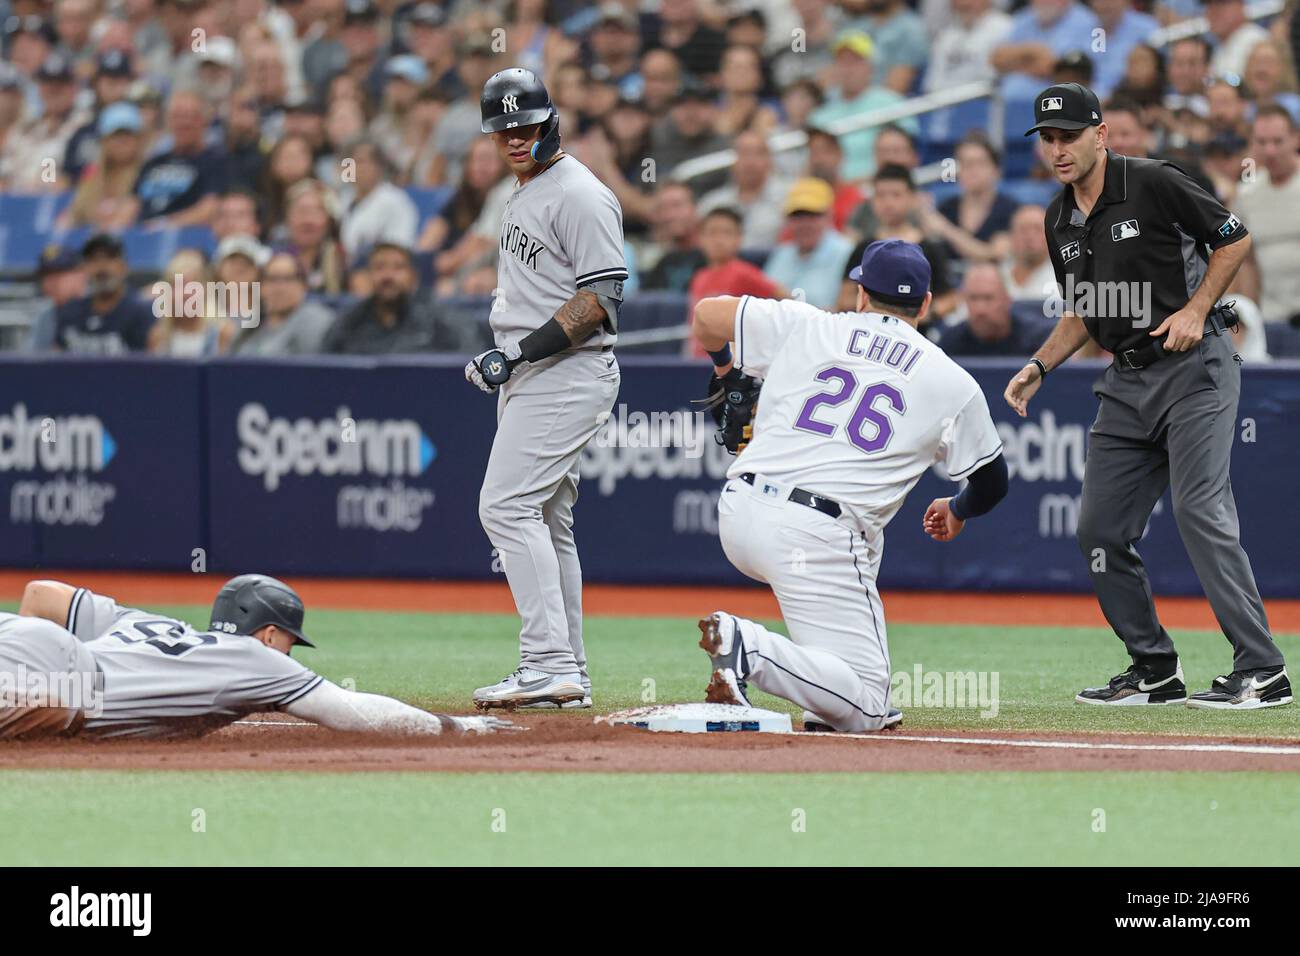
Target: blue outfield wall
[(372, 468)]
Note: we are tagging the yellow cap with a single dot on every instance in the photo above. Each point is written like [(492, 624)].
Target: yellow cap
[(856, 41), (809, 195)]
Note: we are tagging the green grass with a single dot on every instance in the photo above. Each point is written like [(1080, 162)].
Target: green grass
[(99, 817), (436, 661), (92, 818)]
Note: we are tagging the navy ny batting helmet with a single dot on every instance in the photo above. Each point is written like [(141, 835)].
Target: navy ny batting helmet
[(250, 601), (516, 97)]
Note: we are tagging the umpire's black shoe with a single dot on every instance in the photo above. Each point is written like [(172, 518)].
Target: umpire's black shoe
[(1246, 690), (1140, 684)]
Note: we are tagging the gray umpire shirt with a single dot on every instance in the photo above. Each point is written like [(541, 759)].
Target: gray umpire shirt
[(562, 230)]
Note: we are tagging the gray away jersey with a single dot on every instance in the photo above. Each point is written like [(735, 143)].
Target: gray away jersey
[(162, 678), (562, 230)]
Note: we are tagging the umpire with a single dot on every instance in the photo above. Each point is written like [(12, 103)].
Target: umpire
[(1142, 255)]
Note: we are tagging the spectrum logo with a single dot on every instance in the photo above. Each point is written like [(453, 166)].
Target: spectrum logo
[(271, 448), (53, 443)]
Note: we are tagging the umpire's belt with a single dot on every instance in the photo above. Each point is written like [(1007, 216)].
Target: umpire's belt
[(806, 498), (1221, 318)]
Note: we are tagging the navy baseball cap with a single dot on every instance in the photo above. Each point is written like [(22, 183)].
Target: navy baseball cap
[(57, 258), (1065, 106), (114, 63), (894, 272)]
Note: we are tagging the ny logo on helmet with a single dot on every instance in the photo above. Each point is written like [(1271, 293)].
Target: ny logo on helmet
[(510, 103)]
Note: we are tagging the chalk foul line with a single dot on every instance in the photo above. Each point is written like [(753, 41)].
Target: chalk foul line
[(1264, 749)]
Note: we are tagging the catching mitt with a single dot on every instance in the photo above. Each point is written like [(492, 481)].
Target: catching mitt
[(733, 401)]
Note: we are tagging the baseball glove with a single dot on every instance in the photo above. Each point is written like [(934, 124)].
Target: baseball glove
[(733, 402)]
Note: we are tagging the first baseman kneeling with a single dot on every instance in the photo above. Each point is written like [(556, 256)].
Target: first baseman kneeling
[(854, 408)]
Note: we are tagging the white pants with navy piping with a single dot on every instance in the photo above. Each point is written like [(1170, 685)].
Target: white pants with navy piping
[(835, 664)]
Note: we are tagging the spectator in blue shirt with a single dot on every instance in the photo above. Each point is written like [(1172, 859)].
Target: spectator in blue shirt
[(902, 46), (990, 328), (107, 320), (180, 187), (813, 258), (1040, 34), (1125, 29)]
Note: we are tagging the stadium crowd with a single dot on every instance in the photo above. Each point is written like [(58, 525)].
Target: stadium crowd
[(327, 153)]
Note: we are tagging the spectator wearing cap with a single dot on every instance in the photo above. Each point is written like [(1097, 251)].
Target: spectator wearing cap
[(687, 131), (1270, 206), (900, 40), (182, 330), (180, 187), (73, 20), (681, 30), (105, 196), (1233, 36), (363, 43), (245, 148), (1040, 33), (1126, 29), (1027, 269), (34, 152), (59, 276), (107, 320), (740, 106), (614, 44), (1073, 66), (812, 259), (376, 211), (962, 51), (973, 223), (113, 75), (818, 20), (1270, 78), (217, 65), (894, 204), (393, 319), (483, 171), (990, 329), (854, 93), (311, 231), (429, 37), (754, 190), (724, 272), (461, 122), (406, 77), (289, 323), (1189, 73), (674, 254)]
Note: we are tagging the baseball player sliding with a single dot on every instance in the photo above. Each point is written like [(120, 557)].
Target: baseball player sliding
[(555, 319), (75, 662), (854, 408)]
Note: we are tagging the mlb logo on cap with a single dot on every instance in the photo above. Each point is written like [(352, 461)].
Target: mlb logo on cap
[(1052, 103), (1067, 106)]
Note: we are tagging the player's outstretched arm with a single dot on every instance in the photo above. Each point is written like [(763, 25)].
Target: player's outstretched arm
[(48, 599), (985, 487), (331, 706)]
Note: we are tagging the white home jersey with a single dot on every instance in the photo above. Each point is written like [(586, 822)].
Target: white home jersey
[(561, 230), (855, 406), (163, 678)]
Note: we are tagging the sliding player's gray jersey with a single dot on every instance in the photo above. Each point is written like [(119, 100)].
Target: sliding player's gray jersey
[(163, 678)]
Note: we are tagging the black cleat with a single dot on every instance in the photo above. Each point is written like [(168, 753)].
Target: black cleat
[(1245, 690), (893, 719), (1139, 685)]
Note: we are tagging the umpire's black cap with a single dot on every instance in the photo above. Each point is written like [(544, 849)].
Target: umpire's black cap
[(250, 601), (1065, 106)]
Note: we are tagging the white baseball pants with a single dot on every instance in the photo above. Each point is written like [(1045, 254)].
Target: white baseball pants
[(835, 664)]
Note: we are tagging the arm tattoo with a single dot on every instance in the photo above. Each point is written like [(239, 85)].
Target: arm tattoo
[(581, 316)]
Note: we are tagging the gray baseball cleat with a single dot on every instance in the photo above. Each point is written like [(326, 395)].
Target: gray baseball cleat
[(720, 638), (529, 687), (584, 704)]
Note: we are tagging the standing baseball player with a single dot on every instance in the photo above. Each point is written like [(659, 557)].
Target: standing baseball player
[(555, 319), (78, 663), (854, 408), (1168, 401)]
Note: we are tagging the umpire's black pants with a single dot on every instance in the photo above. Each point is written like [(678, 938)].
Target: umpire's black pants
[(1170, 425)]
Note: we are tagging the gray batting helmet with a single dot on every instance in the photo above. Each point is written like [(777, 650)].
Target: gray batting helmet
[(250, 601)]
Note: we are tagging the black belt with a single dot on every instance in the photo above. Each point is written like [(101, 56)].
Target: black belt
[(1221, 318), (806, 498)]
